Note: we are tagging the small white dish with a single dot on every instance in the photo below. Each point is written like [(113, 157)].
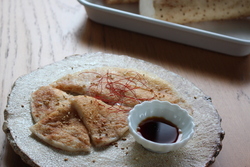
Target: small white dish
[(168, 111)]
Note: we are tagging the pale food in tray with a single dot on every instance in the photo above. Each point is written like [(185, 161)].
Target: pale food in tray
[(74, 105), (231, 37), (194, 11), (190, 11)]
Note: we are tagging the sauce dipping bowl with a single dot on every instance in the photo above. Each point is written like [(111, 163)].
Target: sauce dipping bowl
[(168, 111)]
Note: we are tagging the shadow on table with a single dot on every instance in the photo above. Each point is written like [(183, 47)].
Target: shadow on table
[(166, 53)]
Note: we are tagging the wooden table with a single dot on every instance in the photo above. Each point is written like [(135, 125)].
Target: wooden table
[(36, 33)]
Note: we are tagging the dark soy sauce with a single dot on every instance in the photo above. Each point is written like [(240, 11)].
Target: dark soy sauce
[(158, 129)]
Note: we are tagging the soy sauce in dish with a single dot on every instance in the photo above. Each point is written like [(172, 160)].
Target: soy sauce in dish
[(160, 130)]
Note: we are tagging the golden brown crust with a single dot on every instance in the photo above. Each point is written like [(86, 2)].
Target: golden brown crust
[(122, 86), (105, 123), (46, 100), (63, 129), (100, 132)]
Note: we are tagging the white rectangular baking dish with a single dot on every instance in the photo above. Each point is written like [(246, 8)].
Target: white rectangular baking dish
[(231, 37)]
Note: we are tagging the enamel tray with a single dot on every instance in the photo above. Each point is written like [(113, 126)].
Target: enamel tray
[(231, 37)]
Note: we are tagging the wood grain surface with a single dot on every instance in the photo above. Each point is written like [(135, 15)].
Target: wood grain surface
[(36, 33)]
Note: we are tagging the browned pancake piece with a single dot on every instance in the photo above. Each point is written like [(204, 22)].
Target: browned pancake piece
[(117, 115), (63, 129), (105, 123), (46, 100), (126, 87)]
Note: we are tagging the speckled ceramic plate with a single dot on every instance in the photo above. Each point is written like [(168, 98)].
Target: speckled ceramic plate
[(200, 151)]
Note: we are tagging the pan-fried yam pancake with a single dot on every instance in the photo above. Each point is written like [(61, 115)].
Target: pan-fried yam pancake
[(126, 87), (102, 98), (105, 123), (183, 11), (46, 100), (120, 1), (63, 129)]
